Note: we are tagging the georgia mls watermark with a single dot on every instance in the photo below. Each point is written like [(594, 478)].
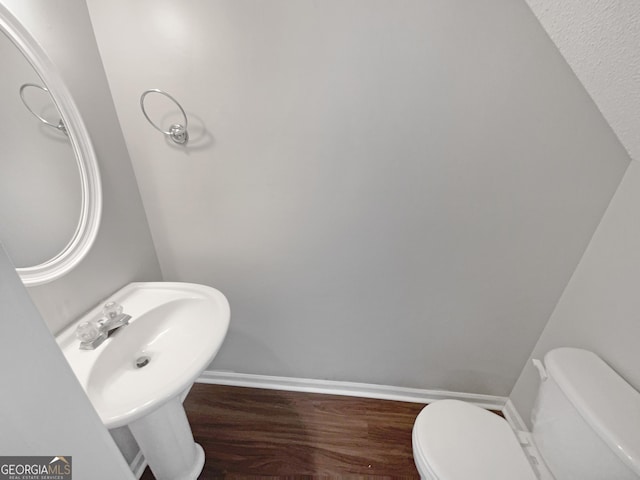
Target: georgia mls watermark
[(35, 468)]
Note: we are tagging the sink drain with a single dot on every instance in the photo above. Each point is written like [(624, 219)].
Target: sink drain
[(142, 361)]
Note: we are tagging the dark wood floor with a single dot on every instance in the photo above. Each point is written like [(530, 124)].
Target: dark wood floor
[(253, 433)]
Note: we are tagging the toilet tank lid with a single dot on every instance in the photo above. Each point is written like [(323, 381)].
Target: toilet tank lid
[(604, 399)]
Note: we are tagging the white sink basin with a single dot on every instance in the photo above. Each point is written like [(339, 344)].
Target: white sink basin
[(178, 329), (178, 326)]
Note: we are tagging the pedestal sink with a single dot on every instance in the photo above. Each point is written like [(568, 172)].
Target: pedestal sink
[(136, 377)]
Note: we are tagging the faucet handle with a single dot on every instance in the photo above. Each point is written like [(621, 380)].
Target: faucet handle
[(112, 309), (88, 331)]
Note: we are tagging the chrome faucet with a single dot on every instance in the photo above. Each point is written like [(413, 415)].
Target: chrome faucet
[(93, 332)]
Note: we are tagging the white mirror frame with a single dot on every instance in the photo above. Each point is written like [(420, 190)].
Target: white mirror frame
[(91, 207)]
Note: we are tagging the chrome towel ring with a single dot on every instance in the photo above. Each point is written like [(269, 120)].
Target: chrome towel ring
[(59, 126), (177, 132)]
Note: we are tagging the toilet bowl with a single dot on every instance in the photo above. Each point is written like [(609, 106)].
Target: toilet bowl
[(586, 426), (454, 440)]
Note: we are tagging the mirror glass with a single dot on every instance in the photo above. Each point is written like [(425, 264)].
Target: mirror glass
[(50, 195), (40, 192)]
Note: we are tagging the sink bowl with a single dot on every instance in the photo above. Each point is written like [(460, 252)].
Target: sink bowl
[(137, 376), (179, 327)]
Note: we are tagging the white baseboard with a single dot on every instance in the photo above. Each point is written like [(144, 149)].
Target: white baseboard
[(138, 464), (366, 390), (513, 417)]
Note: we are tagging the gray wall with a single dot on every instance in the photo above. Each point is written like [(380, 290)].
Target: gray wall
[(43, 410), (388, 192), (599, 308), (123, 251)]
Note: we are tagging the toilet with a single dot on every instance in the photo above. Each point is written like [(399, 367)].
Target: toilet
[(586, 426)]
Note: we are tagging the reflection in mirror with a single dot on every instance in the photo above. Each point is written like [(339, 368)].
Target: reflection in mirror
[(51, 205), (59, 126), (40, 186)]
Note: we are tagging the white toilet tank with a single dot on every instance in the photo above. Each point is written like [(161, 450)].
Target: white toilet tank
[(586, 422)]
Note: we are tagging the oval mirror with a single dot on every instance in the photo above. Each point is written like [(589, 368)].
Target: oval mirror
[(50, 195)]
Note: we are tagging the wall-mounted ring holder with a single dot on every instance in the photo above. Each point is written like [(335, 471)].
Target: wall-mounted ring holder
[(58, 126), (177, 132)]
